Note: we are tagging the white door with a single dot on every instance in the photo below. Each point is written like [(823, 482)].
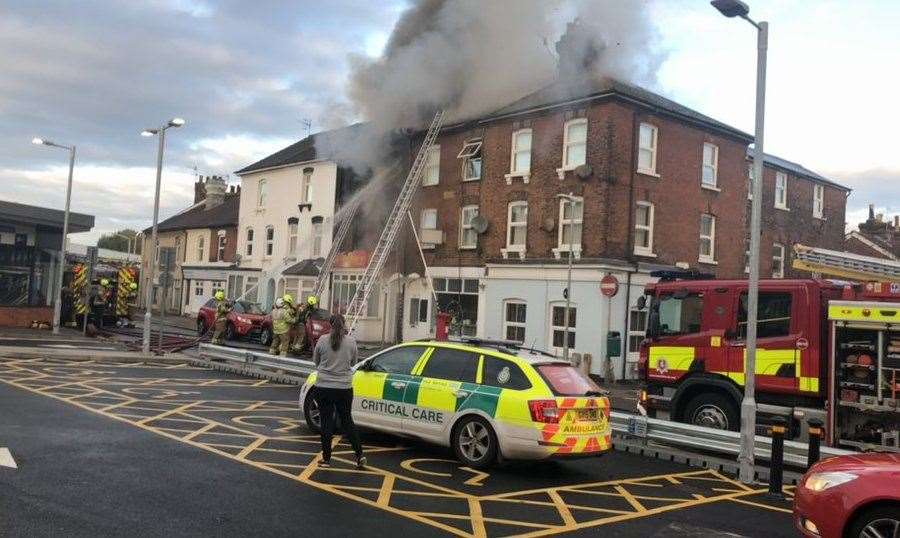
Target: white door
[(418, 322), (200, 293)]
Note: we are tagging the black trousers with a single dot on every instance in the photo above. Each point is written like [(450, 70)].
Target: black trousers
[(340, 400)]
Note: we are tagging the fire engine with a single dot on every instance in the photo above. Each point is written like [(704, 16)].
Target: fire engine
[(826, 349)]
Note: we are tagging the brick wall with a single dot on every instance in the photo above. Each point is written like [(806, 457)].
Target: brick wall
[(230, 244), (15, 316)]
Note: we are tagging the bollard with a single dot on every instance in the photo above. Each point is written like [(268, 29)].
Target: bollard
[(776, 464), (815, 441)]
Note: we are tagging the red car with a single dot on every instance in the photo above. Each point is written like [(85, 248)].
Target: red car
[(317, 324), (850, 496), (246, 320)]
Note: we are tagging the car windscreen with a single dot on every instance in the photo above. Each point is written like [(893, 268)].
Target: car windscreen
[(566, 380), (250, 308)]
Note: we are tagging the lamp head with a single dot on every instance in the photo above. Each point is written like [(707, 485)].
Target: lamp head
[(37, 141), (731, 8), (176, 122), (148, 132)]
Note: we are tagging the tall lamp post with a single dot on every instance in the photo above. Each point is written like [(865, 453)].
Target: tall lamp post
[(571, 200), (736, 8), (154, 241), (57, 293)]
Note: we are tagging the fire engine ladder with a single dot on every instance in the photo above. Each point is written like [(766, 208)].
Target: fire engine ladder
[(342, 232), (393, 225), (845, 265)]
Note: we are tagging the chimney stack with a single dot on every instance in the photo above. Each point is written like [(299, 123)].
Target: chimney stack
[(578, 51), (215, 191), (199, 190)]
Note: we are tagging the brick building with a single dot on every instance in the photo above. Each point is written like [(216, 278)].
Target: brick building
[(876, 237)]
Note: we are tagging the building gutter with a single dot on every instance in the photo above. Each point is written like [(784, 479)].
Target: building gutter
[(244, 172)]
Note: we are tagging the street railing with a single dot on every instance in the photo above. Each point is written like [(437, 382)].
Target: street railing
[(257, 359)]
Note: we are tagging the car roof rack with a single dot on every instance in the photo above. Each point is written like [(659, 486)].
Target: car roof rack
[(671, 275)]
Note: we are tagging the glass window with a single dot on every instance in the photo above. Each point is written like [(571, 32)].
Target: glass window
[(565, 380), (270, 240), (559, 326), (343, 289), (249, 241), (292, 238), (201, 249), (637, 328), (773, 315), (504, 374), (643, 228), (818, 201), (468, 237), (777, 260), (262, 193), (198, 288), (680, 315), (647, 150), (397, 361), (459, 298), (517, 225), (306, 186), (418, 311), (710, 164), (514, 321), (575, 143), (428, 219), (220, 251), (707, 238), (251, 291), (521, 152), (781, 190), (452, 365), (317, 230), (432, 166), (571, 216), (471, 155)]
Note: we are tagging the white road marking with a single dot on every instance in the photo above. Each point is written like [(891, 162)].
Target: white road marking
[(68, 346), (6, 459)]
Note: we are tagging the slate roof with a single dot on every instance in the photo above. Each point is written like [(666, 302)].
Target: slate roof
[(12, 211), (223, 215), (565, 91), (797, 169), (314, 147), (309, 267)]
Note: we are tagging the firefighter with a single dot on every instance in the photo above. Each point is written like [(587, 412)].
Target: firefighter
[(100, 301), (125, 306), (283, 317), (223, 307), (303, 313)]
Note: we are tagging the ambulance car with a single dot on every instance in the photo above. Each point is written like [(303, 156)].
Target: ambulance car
[(487, 400)]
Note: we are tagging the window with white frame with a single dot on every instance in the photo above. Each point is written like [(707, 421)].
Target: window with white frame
[(217, 286), (459, 297), (637, 328), (270, 240), (198, 288), (262, 193), (235, 286), (520, 157), (777, 260), (418, 311), (571, 215), (343, 288), (432, 166), (249, 249), (643, 229), (251, 289), (471, 155), (428, 219), (707, 238), (220, 247), (306, 186), (575, 143), (710, 164), (647, 149), (201, 249), (750, 175), (514, 313), (558, 325), (468, 237), (293, 232), (516, 226), (818, 201), (317, 231), (781, 181)]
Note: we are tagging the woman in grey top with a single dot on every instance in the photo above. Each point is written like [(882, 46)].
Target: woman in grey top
[(334, 354)]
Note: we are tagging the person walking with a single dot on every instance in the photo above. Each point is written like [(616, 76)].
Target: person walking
[(333, 355)]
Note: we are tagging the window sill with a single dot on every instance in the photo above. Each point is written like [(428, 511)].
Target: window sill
[(782, 207), (429, 184), (650, 173), (561, 172), (526, 176), (469, 179), (472, 247), (644, 253), (428, 246), (820, 217), (558, 252), (710, 187), (506, 252), (707, 261)]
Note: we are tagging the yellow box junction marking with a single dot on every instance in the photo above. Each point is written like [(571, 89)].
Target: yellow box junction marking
[(296, 457)]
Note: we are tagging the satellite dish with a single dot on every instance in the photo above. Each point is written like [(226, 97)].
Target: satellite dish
[(584, 171), (549, 224), (480, 224)]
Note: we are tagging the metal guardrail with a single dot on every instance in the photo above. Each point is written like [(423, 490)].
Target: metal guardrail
[(698, 438), (257, 359)]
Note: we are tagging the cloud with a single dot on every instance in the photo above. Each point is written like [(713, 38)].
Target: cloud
[(878, 186)]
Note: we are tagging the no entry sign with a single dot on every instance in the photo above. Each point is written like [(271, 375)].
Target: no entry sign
[(609, 286)]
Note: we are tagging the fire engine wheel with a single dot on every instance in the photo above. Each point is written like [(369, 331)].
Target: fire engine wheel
[(201, 327), (876, 521), (474, 442), (712, 410)]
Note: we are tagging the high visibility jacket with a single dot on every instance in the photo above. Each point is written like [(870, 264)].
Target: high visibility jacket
[(282, 319), (222, 310)]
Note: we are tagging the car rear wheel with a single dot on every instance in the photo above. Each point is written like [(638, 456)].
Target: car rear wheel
[(311, 413), (229, 331), (474, 442), (201, 327), (877, 522), (265, 337), (712, 410)]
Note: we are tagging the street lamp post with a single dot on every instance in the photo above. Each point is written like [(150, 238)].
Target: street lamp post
[(736, 8), (569, 199), (154, 241), (57, 293)]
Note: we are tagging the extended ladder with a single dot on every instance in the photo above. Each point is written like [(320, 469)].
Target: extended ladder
[(392, 226), (343, 231), (845, 264)]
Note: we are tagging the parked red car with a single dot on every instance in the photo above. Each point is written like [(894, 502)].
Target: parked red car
[(246, 320), (850, 496), (317, 324)]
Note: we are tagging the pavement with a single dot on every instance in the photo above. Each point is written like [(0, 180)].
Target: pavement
[(165, 448)]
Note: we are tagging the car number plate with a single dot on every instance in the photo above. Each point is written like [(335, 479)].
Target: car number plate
[(588, 415)]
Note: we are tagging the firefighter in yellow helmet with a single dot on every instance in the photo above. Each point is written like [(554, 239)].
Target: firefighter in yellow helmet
[(223, 307), (100, 299), (283, 318)]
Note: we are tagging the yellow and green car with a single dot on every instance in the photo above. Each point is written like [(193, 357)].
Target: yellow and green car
[(486, 400)]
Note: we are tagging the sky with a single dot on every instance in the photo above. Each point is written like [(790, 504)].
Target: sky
[(246, 75)]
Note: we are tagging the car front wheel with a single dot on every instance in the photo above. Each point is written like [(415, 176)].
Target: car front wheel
[(265, 337), (201, 327), (474, 442), (880, 521)]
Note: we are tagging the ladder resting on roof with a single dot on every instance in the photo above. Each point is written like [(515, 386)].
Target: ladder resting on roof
[(392, 226), (342, 232), (845, 265)]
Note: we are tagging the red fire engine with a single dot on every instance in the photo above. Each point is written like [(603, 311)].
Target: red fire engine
[(825, 349)]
